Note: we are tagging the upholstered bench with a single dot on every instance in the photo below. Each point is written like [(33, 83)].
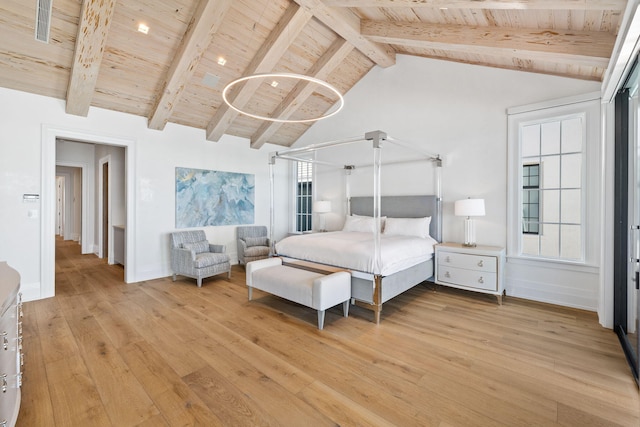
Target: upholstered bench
[(314, 290)]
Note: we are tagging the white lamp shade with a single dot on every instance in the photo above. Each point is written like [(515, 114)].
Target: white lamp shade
[(469, 207), (322, 206)]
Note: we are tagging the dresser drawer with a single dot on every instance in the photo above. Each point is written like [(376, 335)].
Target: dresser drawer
[(470, 278), (468, 262)]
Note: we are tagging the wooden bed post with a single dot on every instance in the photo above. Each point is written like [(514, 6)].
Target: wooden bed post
[(377, 297)]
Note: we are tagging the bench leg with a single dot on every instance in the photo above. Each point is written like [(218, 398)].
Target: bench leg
[(345, 308), (320, 319), (250, 292)]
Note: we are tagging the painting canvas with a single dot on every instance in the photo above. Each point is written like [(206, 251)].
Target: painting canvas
[(209, 198)]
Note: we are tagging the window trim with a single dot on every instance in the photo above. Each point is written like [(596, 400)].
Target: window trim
[(589, 105)]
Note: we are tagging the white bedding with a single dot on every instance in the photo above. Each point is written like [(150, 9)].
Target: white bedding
[(355, 250)]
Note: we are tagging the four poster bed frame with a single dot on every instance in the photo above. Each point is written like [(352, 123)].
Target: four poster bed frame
[(372, 289)]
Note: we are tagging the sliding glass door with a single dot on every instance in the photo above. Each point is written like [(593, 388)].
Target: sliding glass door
[(627, 220)]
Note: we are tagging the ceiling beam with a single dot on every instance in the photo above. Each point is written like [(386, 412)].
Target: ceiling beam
[(347, 26), (203, 26), (485, 4), (333, 57), (289, 26), (567, 47), (93, 28)]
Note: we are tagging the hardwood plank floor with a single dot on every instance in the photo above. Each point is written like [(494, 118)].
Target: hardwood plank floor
[(164, 353)]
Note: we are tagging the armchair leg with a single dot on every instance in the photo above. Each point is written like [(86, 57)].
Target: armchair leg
[(229, 274), (199, 279), (174, 277), (345, 308)]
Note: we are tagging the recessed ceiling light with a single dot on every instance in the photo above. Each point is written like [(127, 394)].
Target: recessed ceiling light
[(143, 28), (274, 84), (222, 61)]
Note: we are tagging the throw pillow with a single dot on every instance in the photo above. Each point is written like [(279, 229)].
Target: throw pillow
[(418, 227), (255, 241), (197, 247)]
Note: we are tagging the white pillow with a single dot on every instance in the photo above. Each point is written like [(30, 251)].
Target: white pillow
[(363, 224), (418, 227), (382, 219)]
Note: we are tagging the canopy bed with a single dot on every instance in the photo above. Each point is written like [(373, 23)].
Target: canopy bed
[(387, 243)]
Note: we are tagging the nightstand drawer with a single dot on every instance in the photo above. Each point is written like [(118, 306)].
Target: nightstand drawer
[(472, 278), (468, 262)]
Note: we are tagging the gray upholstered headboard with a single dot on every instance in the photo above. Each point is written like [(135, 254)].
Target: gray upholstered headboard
[(403, 207)]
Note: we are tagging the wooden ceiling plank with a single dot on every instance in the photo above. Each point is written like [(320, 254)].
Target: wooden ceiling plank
[(591, 47), (347, 26), (95, 19), (485, 4), (333, 57), (203, 26), (294, 20)]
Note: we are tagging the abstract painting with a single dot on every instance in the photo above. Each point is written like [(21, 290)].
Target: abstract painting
[(209, 198)]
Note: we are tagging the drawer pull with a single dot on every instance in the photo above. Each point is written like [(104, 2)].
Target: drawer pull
[(446, 274), (4, 383), (5, 341), (481, 263), (447, 259), (480, 280)]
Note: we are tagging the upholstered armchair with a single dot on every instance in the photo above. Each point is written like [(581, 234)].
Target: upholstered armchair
[(253, 243), (193, 256)]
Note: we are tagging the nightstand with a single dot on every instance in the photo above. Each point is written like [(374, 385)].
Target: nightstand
[(478, 268)]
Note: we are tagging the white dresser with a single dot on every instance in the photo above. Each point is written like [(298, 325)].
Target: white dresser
[(478, 268), (10, 345)]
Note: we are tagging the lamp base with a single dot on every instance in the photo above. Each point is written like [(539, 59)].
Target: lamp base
[(469, 233)]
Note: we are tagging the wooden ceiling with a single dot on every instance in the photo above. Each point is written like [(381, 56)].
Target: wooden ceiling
[(97, 57)]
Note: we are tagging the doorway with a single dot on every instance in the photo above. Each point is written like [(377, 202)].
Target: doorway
[(50, 135)]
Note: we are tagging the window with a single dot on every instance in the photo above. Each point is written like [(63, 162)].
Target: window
[(304, 196), (531, 198), (553, 196), (554, 147)]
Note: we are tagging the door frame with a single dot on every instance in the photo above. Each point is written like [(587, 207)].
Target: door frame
[(47, 220)]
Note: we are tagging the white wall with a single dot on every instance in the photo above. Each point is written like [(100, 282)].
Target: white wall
[(455, 110), (27, 120)]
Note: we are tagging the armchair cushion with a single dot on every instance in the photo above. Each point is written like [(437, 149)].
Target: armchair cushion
[(257, 251), (197, 247), (256, 241), (207, 259)]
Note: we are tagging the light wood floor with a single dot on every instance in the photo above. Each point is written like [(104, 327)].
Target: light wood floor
[(161, 353)]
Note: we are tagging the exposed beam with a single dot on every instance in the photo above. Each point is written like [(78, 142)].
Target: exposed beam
[(333, 57), (294, 20), (93, 28), (486, 4), (347, 26), (203, 26), (568, 47)]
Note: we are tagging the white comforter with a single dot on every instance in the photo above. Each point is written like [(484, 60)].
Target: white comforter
[(355, 251)]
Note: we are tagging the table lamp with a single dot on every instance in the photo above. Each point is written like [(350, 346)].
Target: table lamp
[(322, 207), (469, 208)]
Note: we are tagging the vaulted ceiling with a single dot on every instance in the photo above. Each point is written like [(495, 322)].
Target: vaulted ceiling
[(96, 56)]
